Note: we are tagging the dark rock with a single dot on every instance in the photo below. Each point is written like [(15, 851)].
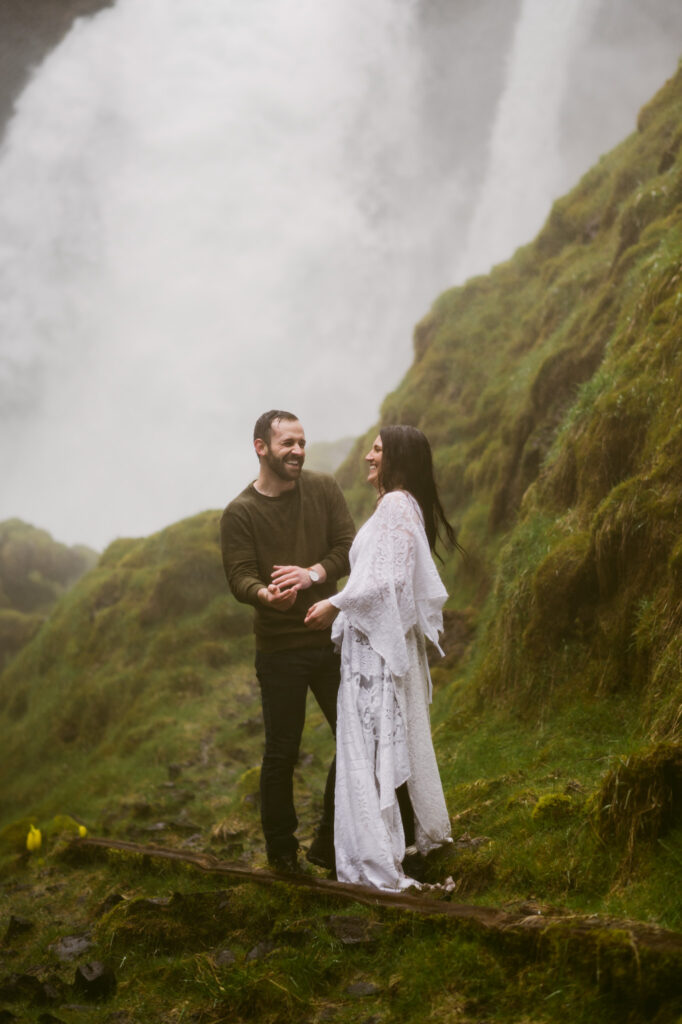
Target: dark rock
[(94, 980), (295, 935), (354, 930), (253, 726), (467, 842), (359, 989), (142, 809), (108, 904), (52, 990), (262, 949), (17, 926), (71, 946), (21, 987), (193, 842), (224, 958)]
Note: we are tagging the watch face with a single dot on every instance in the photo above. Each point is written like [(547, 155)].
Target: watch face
[(315, 576)]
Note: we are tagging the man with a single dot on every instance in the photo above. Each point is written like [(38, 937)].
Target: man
[(285, 542)]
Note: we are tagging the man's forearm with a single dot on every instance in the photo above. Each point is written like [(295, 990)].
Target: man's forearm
[(246, 589)]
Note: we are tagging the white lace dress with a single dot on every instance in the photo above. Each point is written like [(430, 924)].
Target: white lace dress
[(392, 600)]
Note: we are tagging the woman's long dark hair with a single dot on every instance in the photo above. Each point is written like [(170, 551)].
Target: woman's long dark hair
[(407, 464)]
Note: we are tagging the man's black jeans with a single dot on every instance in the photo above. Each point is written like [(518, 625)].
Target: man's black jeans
[(284, 678)]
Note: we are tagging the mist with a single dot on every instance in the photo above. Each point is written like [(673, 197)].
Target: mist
[(208, 210)]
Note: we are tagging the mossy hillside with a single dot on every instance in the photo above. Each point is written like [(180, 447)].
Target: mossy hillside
[(550, 391), (182, 945), (35, 571), (142, 665), (558, 734)]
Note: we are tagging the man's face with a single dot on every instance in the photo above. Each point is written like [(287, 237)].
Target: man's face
[(285, 454)]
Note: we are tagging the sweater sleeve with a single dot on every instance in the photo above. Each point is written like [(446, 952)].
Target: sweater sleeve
[(340, 535), (394, 584), (239, 557)]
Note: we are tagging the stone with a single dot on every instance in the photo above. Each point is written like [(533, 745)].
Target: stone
[(71, 946), (360, 989), (223, 958), (260, 950), (108, 904), (17, 927), (22, 987), (354, 930), (94, 980)]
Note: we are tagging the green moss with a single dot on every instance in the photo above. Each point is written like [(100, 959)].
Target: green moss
[(641, 797), (553, 807)]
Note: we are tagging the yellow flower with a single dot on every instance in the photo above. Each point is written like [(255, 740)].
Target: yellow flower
[(34, 839), (82, 831)]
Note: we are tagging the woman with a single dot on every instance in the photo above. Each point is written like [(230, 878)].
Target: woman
[(392, 600)]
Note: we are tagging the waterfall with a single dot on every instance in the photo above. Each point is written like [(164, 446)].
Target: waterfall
[(525, 171), (206, 210), (211, 209)]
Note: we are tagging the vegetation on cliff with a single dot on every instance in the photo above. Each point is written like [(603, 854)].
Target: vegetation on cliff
[(35, 571)]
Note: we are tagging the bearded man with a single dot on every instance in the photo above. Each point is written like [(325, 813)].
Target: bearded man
[(285, 542)]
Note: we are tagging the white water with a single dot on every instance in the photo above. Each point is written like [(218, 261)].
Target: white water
[(206, 210), (526, 170), (209, 209)]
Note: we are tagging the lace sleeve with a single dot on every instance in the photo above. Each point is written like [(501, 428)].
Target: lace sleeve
[(394, 584)]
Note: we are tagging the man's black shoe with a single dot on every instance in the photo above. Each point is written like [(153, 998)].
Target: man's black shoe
[(321, 853), (287, 864)]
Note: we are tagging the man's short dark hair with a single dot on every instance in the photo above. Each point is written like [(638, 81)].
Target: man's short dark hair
[(263, 427)]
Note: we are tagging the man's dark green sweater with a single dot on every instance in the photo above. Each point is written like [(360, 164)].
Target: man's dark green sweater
[(307, 525)]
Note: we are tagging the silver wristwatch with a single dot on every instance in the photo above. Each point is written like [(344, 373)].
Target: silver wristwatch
[(314, 576)]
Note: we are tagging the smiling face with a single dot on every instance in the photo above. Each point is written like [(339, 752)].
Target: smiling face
[(373, 459), (285, 454)]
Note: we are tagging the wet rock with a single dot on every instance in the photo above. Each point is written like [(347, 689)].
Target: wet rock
[(261, 950), (295, 935), (142, 809), (94, 980), (71, 946), (29, 988), (52, 990), (193, 842), (253, 726), (467, 842), (108, 904), (17, 927), (360, 989), (20, 988), (224, 958), (354, 930)]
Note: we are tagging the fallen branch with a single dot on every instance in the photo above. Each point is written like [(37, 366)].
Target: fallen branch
[(638, 936)]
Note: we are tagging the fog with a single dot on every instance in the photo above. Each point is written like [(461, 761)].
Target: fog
[(208, 210)]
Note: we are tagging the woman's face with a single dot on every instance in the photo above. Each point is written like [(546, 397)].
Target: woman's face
[(373, 459)]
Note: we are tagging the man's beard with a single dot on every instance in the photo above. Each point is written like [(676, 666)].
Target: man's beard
[(283, 467)]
